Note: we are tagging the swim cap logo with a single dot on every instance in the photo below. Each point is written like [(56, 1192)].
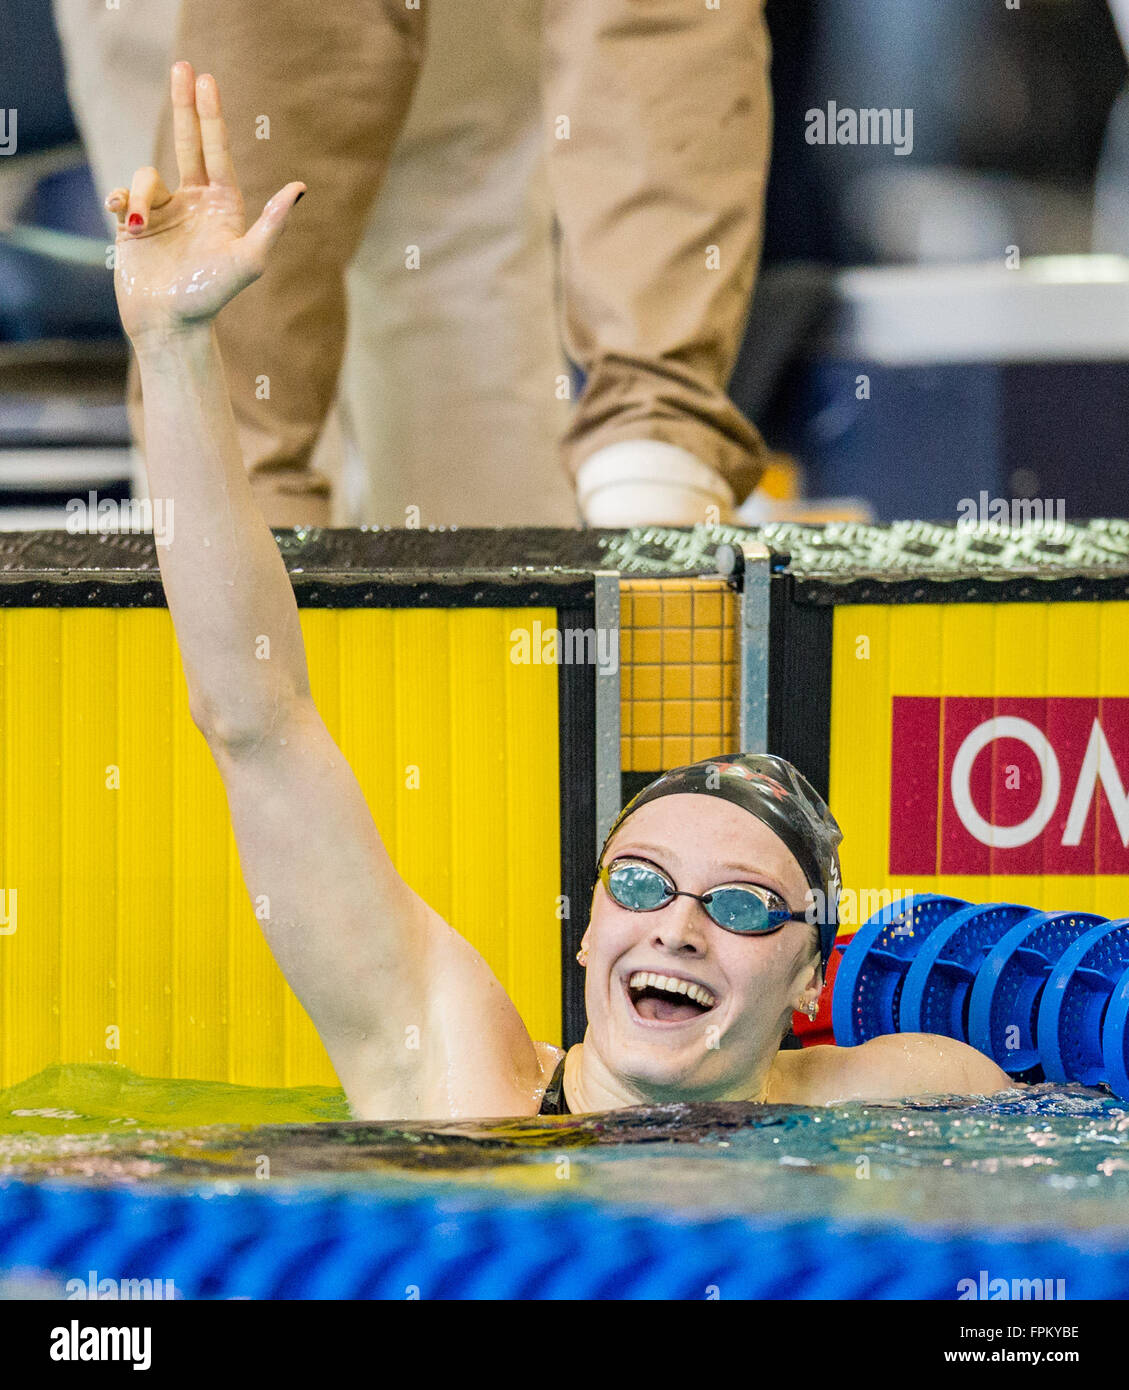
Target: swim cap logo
[(834, 890), (774, 788), (732, 770)]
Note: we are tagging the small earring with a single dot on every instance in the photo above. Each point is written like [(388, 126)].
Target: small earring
[(811, 1009), (582, 956)]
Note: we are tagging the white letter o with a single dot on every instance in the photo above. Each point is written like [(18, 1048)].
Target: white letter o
[(1005, 836)]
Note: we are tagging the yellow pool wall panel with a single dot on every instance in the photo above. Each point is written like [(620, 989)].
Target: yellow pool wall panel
[(132, 937)]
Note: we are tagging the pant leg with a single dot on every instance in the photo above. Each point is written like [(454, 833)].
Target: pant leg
[(334, 80), (117, 71), (452, 369), (659, 193)]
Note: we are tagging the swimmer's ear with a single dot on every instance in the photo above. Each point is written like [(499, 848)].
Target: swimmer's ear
[(259, 238)]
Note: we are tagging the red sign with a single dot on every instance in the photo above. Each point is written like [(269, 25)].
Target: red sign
[(991, 785)]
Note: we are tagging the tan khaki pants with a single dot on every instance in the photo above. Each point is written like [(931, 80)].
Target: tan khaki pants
[(452, 380), (659, 191), (117, 73), (474, 442), (448, 386), (329, 84)]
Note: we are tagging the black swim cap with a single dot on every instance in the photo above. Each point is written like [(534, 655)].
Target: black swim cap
[(782, 798)]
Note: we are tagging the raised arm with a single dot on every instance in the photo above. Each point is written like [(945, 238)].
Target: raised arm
[(414, 1020)]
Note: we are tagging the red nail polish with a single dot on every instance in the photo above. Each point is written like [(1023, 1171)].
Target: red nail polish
[(135, 219)]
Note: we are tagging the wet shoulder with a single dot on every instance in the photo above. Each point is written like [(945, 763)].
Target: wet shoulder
[(890, 1067), (806, 1075)]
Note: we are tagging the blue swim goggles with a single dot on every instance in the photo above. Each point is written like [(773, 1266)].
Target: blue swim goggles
[(745, 908)]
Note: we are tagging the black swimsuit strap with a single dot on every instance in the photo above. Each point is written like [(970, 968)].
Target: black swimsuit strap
[(553, 1101)]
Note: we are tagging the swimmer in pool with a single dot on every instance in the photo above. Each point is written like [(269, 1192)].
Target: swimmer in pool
[(699, 945)]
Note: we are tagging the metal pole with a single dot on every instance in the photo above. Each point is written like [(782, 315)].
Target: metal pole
[(609, 759), (750, 564)]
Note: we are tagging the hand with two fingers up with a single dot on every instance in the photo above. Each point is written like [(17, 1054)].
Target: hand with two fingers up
[(181, 256)]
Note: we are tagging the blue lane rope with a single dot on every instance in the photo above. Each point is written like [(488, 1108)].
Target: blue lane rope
[(335, 1245), (1074, 1003), (1044, 994), (1115, 1038), (868, 986), (1004, 1005), (940, 977)]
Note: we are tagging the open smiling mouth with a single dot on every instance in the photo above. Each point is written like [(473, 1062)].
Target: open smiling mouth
[(667, 999)]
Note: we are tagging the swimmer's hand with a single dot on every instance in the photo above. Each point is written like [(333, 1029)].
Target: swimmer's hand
[(189, 254)]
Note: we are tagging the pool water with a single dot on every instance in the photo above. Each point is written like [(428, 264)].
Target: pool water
[(1045, 1160), (76, 1099)]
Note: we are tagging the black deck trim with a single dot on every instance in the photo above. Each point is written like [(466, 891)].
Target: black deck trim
[(402, 589), (577, 771), (1027, 589), (799, 682)]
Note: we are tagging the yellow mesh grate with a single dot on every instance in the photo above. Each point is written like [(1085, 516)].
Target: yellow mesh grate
[(679, 671)]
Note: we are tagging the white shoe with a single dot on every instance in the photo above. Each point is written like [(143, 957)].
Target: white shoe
[(646, 482), (759, 510)]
